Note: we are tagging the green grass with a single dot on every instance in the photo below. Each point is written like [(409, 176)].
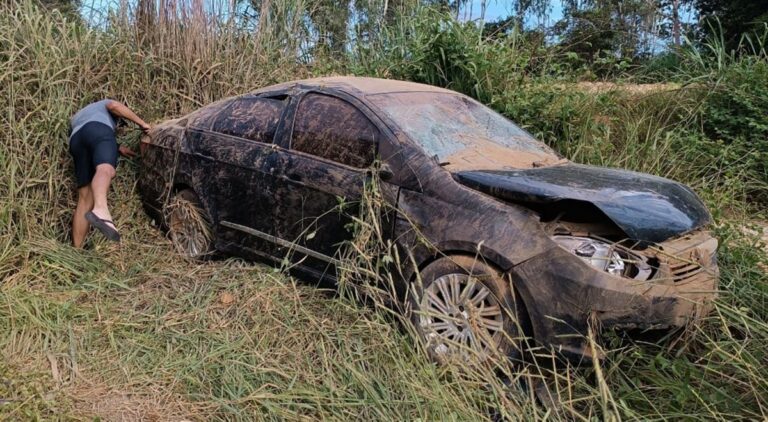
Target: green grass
[(137, 333)]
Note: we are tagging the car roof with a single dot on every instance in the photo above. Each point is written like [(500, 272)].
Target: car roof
[(359, 85)]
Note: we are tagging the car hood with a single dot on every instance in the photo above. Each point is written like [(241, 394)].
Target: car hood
[(645, 207)]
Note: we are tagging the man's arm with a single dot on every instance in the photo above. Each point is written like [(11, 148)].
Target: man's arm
[(120, 110)]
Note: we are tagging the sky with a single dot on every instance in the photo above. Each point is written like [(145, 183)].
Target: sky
[(496, 9), (94, 10), (499, 9)]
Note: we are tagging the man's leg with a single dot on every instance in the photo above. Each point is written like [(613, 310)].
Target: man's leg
[(100, 187), (79, 223)]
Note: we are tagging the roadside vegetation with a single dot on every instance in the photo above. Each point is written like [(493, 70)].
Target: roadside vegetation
[(134, 332)]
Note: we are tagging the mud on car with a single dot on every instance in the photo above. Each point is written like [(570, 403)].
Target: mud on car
[(520, 242)]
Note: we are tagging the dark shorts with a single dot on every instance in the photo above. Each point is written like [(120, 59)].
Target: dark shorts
[(91, 145)]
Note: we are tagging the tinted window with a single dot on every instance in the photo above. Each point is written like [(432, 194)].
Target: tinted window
[(330, 128), (250, 118)]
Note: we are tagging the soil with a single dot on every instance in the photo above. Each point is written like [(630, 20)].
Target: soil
[(760, 227), (600, 87), (764, 226)]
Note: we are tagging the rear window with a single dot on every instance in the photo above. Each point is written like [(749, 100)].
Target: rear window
[(203, 118)]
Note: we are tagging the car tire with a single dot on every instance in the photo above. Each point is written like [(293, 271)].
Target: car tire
[(189, 226), (467, 309)]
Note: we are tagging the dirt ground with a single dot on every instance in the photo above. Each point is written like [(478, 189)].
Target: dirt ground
[(759, 227), (600, 87), (764, 225)]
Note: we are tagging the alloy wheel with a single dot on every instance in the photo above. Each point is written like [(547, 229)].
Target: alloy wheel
[(460, 315)]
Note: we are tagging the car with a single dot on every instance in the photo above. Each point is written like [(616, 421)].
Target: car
[(506, 240)]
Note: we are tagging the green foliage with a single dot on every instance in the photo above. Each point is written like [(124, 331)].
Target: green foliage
[(731, 19), (606, 37), (659, 68), (433, 48), (734, 113), (737, 106)]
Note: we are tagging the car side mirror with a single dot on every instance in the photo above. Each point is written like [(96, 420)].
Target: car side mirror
[(385, 172)]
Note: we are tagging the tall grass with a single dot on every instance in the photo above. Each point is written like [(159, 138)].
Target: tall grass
[(133, 332)]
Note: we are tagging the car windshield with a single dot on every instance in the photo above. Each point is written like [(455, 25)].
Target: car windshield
[(462, 133)]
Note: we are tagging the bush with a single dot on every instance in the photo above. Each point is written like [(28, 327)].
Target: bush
[(734, 112), (432, 47)]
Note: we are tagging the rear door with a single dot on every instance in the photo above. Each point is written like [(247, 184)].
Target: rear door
[(238, 154), (320, 179)]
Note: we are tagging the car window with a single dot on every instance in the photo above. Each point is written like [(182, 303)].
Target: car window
[(203, 118), (462, 133), (250, 118), (331, 128)]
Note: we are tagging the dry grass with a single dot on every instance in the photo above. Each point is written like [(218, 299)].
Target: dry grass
[(136, 333)]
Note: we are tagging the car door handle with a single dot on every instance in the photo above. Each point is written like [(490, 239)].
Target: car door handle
[(295, 177)]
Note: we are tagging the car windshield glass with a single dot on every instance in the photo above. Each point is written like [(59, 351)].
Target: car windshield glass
[(462, 132)]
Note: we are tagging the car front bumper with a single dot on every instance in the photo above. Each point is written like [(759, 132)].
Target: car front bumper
[(564, 295)]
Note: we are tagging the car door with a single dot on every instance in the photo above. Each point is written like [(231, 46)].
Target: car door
[(237, 154), (321, 177)]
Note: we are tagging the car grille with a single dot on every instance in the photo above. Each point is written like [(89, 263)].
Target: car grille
[(688, 259), (682, 271), (692, 265)]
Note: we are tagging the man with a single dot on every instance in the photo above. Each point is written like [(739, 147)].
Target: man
[(94, 149)]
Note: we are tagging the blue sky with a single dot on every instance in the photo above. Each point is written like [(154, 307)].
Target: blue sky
[(502, 8), (496, 9)]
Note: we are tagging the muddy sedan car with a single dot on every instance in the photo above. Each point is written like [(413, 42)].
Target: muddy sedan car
[(508, 238)]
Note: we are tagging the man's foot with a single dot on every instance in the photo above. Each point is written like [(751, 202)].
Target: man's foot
[(105, 226)]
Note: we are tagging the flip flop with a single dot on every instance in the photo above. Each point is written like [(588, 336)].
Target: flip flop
[(101, 224)]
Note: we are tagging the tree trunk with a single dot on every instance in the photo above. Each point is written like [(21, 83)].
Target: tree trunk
[(676, 22)]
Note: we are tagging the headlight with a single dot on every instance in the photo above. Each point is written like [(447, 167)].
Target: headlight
[(611, 258)]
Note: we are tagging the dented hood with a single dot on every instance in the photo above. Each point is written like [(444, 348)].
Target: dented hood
[(647, 208)]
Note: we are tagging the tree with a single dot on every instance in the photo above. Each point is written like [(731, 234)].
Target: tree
[(621, 29), (732, 17), (330, 20)]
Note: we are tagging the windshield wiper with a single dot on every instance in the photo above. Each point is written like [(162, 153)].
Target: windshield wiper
[(440, 163)]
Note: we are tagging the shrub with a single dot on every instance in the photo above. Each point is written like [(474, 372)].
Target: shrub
[(734, 112)]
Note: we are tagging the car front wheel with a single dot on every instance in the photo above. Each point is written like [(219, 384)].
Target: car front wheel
[(466, 309), (189, 227)]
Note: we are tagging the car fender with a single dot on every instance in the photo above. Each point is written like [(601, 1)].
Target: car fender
[(467, 222)]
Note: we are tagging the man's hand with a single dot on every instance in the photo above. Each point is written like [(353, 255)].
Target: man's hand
[(120, 110), (126, 152)]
